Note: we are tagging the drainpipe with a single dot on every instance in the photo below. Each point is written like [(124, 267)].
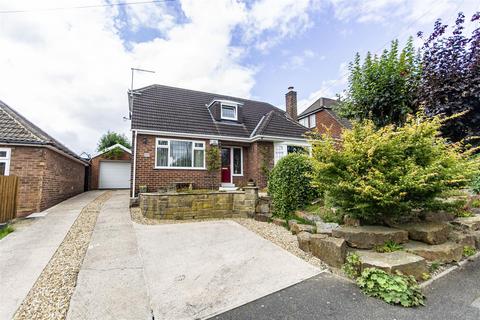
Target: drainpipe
[(134, 162)]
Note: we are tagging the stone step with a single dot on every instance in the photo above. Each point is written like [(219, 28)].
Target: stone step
[(303, 239), (406, 263), (428, 232), (326, 227), (469, 223), (367, 237), (330, 250), (463, 237), (296, 227), (444, 253)]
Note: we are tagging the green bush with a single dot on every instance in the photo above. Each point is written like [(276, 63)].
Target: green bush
[(352, 265), (469, 251), (289, 184), (476, 184), (388, 172), (393, 289)]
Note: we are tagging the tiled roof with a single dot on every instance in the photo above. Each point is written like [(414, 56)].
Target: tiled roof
[(15, 129), (170, 109), (325, 104)]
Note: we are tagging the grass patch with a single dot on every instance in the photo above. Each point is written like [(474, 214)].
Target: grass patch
[(434, 266), (6, 231), (463, 213)]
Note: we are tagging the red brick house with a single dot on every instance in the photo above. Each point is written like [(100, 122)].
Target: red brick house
[(172, 129), (111, 172), (48, 171), (320, 116)]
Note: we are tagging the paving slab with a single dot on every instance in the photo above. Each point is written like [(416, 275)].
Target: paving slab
[(197, 270), (25, 252), (111, 284)]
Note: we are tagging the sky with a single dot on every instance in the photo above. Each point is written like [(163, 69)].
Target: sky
[(68, 69)]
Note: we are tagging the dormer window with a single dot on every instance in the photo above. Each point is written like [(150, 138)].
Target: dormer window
[(229, 112)]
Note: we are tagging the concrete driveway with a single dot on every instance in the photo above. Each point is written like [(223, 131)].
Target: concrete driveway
[(176, 271), (196, 270)]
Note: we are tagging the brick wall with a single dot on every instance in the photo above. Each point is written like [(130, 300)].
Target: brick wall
[(63, 178), (45, 176), (147, 175), (95, 167), (325, 120)]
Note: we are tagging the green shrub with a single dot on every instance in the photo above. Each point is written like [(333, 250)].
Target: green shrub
[(476, 183), (393, 289), (388, 246), (290, 184), (434, 266), (352, 265), (469, 251), (388, 172), (5, 231), (475, 203)]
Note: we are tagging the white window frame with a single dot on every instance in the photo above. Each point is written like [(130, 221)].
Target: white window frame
[(241, 162), (305, 120), (312, 124), (230, 106), (170, 157), (6, 160)]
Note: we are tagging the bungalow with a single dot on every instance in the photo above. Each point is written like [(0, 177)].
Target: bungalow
[(48, 171), (173, 128)]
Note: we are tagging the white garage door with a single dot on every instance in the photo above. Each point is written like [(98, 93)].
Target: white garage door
[(114, 175)]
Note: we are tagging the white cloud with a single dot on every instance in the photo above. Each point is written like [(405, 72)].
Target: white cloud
[(298, 61), (68, 71)]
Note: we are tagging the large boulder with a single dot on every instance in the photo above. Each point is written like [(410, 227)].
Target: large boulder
[(406, 263), (330, 250), (278, 222), (476, 234), (444, 253), (464, 238), (297, 228), (303, 239), (326, 227), (428, 232), (438, 216), (470, 223), (367, 237)]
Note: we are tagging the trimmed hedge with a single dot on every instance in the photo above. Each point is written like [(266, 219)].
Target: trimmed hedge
[(290, 184)]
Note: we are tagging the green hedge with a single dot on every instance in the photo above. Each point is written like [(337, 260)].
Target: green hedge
[(290, 184)]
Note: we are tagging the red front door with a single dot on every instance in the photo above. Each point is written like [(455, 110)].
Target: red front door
[(226, 166)]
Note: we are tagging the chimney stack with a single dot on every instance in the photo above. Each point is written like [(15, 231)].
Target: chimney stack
[(291, 103)]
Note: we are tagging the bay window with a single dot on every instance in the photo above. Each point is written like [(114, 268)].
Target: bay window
[(180, 154)]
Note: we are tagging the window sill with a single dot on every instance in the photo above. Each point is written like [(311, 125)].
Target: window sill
[(178, 168)]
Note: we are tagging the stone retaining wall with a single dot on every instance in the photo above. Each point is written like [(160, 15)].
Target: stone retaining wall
[(199, 205)]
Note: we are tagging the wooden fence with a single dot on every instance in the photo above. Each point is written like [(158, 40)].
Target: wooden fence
[(8, 197)]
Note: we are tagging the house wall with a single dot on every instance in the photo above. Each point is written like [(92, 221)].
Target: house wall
[(46, 177), (63, 179), (325, 120), (95, 167), (154, 179)]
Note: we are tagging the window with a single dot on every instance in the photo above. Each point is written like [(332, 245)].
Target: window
[(229, 112), (304, 122), (297, 149), (313, 122), (237, 162), (180, 154), (4, 161), (279, 152)]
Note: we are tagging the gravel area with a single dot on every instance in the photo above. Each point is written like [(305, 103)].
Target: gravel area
[(50, 296), (276, 234)]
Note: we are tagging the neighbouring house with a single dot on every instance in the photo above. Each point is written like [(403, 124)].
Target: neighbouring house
[(173, 129), (321, 116), (48, 171), (110, 169)]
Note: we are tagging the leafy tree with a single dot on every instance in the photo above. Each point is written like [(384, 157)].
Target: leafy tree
[(290, 184), (384, 174), (112, 138), (383, 88), (451, 78)]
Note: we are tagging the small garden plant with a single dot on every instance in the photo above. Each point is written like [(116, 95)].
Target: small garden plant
[(469, 251), (393, 289), (389, 246), (6, 231), (290, 184), (352, 265), (434, 266)]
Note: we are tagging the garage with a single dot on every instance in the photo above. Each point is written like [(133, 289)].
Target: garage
[(114, 175), (111, 171)]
